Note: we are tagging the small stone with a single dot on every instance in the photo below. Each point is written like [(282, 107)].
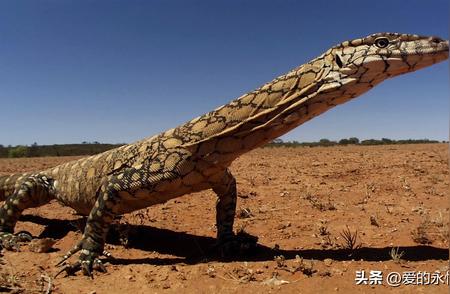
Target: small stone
[(166, 286), (211, 272), (275, 282), (41, 245), (283, 226), (242, 195), (284, 193), (328, 261), (337, 271), (129, 278)]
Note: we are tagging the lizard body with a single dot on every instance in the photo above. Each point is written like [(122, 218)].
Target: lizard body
[(196, 155)]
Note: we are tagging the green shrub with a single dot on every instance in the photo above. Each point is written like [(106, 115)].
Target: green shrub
[(18, 151)]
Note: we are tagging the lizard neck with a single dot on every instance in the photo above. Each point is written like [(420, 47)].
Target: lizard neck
[(343, 72), (259, 116)]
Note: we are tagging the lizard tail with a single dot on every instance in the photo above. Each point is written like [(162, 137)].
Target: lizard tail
[(8, 184)]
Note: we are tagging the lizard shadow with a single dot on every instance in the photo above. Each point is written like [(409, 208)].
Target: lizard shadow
[(191, 249)]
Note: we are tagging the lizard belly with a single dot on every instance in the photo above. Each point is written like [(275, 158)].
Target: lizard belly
[(142, 198), (81, 203), (72, 195)]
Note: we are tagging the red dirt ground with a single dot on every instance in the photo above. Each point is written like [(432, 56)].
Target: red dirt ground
[(297, 201)]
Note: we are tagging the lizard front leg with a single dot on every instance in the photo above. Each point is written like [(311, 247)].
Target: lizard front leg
[(229, 244), (106, 207), (93, 240), (35, 190)]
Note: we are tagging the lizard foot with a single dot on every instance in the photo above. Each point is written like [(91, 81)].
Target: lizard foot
[(237, 245), (87, 262), (11, 241)]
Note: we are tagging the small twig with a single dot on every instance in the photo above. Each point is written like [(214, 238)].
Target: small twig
[(227, 279), (9, 289), (48, 279), (274, 209)]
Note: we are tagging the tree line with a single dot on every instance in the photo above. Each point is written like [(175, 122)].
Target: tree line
[(36, 150), (349, 141), (91, 148)]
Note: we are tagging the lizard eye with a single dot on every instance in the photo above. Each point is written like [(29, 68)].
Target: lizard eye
[(382, 42)]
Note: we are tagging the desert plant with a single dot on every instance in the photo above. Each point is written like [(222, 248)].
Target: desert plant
[(350, 239), (18, 151), (303, 267), (420, 235), (396, 255)]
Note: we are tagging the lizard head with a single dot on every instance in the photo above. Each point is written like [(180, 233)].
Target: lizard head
[(362, 63)]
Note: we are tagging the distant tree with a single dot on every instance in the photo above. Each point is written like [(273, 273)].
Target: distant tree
[(18, 151), (344, 142), (353, 140), (33, 150), (326, 142), (369, 142), (3, 151)]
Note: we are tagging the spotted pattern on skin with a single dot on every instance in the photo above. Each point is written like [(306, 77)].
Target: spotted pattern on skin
[(196, 155)]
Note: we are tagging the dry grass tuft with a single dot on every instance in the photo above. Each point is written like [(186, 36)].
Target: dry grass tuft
[(396, 255), (350, 240), (420, 234)]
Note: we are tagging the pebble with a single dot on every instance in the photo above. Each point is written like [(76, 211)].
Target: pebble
[(43, 245)]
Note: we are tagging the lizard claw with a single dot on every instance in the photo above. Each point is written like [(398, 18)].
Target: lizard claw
[(70, 269), (86, 266), (99, 266), (88, 261), (11, 241), (107, 254), (24, 236), (71, 252)]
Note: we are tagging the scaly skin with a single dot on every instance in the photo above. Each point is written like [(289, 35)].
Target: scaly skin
[(196, 156)]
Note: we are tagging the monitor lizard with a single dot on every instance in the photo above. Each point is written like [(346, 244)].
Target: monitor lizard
[(196, 155)]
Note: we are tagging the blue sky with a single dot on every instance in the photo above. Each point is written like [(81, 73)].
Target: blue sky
[(117, 71)]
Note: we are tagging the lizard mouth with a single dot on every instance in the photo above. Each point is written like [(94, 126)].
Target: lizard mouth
[(431, 50), (411, 59), (437, 47)]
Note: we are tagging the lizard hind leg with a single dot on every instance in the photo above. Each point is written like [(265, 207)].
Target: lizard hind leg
[(34, 191)]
